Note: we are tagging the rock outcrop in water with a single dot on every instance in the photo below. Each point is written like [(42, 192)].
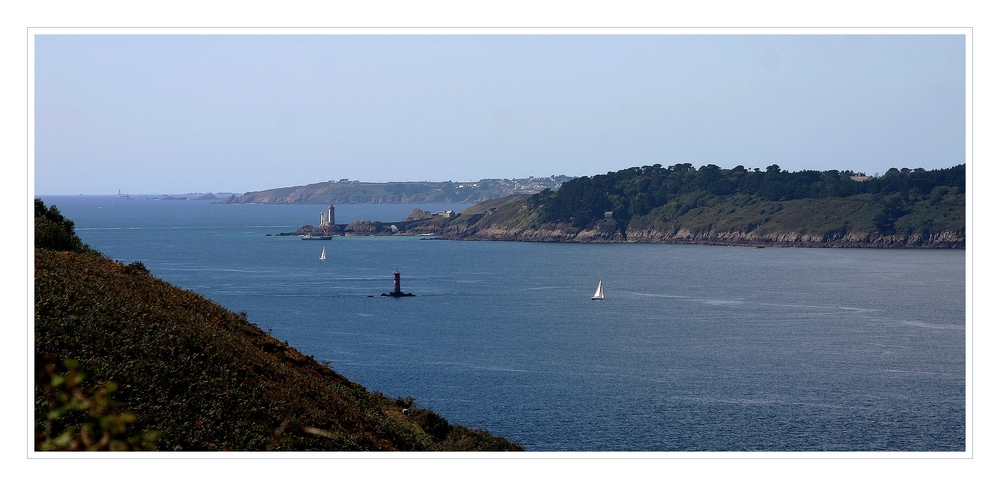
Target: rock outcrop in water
[(396, 292)]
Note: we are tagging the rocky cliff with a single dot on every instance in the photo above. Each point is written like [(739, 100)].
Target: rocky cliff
[(686, 236)]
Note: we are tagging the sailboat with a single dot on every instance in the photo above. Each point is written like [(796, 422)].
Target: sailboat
[(322, 256), (599, 295)]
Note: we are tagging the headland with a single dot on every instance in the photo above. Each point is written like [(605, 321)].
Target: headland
[(680, 204)]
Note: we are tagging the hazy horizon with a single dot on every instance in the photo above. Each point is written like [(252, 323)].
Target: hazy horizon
[(179, 114)]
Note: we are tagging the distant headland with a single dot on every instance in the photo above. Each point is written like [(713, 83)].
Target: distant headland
[(344, 191)]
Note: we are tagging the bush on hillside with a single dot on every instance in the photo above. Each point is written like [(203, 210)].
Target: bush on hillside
[(54, 232), (74, 418)]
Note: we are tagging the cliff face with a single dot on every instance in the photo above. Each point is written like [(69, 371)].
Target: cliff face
[(570, 235), (848, 240), (547, 233)]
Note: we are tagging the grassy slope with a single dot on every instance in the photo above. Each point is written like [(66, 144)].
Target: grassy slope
[(816, 220), (326, 192), (817, 216), (205, 377), (702, 217)]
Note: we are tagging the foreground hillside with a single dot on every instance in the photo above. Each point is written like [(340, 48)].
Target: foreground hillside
[(167, 369), (680, 204)]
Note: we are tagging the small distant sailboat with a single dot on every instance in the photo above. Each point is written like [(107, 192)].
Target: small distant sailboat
[(599, 294), (322, 256)]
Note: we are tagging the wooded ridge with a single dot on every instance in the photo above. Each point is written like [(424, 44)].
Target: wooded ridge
[(680, 204)]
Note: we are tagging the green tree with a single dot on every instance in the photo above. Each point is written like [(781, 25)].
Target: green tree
[(892, 209), (53, 231)]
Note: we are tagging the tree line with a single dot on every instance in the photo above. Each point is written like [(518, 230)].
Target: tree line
[(636, 191)]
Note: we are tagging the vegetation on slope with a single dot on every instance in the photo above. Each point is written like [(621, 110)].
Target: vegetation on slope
[(127, 361), (636, 192), (903, 208), (54, 232)]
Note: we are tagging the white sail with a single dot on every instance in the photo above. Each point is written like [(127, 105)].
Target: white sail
[(322, 256), (599, 295)]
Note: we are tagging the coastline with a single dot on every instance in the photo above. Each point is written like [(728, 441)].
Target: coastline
[(438, 229)]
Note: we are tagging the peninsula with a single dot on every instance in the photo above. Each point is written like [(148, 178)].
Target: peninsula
[(344, 191), (902, 208)]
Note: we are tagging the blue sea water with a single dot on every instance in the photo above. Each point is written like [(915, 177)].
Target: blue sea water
[(695, 348)]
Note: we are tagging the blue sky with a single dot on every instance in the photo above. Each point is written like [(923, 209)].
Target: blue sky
[(153, 114)]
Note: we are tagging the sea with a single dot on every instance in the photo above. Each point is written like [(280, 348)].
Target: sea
[(693, 348)]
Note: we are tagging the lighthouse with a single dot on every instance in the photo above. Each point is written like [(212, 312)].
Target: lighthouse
[(326, 220), (395, 287)]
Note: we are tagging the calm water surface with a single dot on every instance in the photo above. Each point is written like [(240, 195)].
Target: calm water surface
[(695, 348)]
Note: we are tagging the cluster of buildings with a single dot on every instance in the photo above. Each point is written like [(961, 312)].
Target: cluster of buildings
[(527, 185)]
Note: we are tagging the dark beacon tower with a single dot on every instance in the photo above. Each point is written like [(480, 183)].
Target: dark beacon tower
[(395, 283), (395, 287)]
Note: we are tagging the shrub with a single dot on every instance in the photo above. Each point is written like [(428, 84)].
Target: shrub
[(53, 231), (70, 418)]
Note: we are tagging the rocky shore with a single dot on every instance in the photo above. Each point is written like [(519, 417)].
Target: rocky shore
[(487, 224), (850, 240)]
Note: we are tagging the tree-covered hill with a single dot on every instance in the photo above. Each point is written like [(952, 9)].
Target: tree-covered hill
[(902, 208), (127, 361)]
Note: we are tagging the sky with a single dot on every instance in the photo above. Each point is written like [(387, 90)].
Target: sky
[(127, 113), (182, 113)]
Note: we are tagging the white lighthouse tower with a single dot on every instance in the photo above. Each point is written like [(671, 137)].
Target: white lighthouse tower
[(326, 220)]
